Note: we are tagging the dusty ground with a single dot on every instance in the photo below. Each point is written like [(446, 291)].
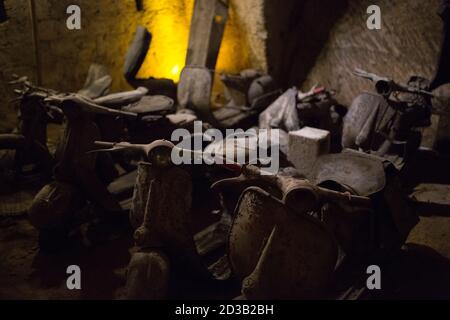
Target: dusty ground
[(26, 273), (422, 271)]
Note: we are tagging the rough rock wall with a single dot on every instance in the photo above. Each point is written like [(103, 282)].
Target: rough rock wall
[(407, 44), (169, 21), (15, 55), (251, 19), (65, 54), (107, 28), (300, 42), (297, 31)]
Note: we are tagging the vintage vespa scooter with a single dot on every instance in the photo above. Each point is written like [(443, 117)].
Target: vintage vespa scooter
[(33, 159), (75, 178), (387, 123), (273, 207)]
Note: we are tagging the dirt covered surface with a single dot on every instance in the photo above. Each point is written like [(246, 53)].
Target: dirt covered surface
[(27, 273), (421, 271)]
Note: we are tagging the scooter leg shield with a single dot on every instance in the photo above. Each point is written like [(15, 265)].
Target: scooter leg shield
[(148, 276), (140, 194), (54, 206), (296, 261), (254, 219), (164, 215)]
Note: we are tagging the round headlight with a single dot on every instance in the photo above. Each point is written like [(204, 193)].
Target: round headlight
[(161, 156)]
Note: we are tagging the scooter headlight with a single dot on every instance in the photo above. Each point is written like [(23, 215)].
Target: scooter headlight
[(161, 156)]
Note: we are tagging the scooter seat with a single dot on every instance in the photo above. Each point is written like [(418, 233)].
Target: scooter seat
[(230, 117), (157, 104), (123, 186), (352, 169)]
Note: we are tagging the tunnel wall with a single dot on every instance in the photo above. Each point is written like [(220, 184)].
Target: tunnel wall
[(314, 41), (108, 27), (15, 56), (65, 54), (300, 42)]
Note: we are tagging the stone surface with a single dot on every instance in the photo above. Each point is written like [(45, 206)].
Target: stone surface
[(433, 193), (306, 41), (407, 44), (300, 42), (108, 27), (305, 146), (15, 56)]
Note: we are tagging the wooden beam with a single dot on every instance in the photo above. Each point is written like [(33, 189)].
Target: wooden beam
[(35, 36)]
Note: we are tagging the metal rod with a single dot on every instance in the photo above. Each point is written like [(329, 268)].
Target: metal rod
[(35, 35)]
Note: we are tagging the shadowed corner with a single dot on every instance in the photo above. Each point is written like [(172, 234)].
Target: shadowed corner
[(291, 28)]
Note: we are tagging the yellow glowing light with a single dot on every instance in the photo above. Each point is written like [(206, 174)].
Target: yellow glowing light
[(175, 70), (169, 22)]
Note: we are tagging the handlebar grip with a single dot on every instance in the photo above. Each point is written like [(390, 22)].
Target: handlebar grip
[(104, 144)]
